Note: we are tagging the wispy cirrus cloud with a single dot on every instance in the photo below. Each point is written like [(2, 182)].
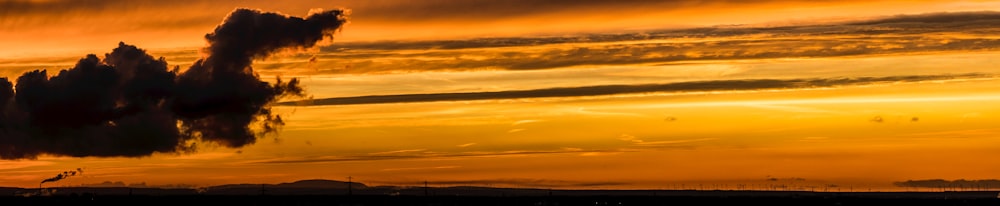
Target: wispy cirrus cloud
[(421, 168), (893, 35), (695, 86), (525, 182), (642, 143), (398, 151), (416, 155)]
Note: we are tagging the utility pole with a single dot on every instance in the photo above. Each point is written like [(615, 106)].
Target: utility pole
[(349, 183), (425, 188)]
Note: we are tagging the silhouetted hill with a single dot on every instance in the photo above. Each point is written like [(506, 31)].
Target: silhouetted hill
[(301, 187), (320, 187), (321, 183)]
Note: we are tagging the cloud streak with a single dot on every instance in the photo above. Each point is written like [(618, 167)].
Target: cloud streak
[(414, 155), (955, 18), (695, 86), (893, 35), (525, 182), (389, 9), (935, 32)]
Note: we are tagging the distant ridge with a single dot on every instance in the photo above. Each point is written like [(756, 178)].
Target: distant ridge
[(324, 187), (301, 187), (321, 183), (313, 183)]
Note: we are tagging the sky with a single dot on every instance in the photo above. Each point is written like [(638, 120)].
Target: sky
[(636, 94)]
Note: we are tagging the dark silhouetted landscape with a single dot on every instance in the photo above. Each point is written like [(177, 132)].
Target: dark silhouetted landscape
[(329, 192)]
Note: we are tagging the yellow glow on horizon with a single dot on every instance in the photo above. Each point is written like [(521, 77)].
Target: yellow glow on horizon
[(825, 137)]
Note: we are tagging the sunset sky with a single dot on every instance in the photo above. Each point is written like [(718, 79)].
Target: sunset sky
[(578, 94)]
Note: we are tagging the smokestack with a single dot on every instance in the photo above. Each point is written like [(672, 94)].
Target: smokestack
[(61, 176)]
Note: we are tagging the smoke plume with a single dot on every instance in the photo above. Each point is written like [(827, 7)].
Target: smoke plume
[(131, 104), (63, 175)]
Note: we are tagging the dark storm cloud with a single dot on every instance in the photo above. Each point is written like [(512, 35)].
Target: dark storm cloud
[(696, 86), (131, 104), (219, 96)]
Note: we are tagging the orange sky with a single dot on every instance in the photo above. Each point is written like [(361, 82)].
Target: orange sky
[(72, 27), (862, 135)]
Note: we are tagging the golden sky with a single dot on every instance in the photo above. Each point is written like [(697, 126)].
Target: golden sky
[(848, 93)]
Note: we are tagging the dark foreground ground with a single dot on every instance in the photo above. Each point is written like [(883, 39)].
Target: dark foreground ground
[(661, 198)]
